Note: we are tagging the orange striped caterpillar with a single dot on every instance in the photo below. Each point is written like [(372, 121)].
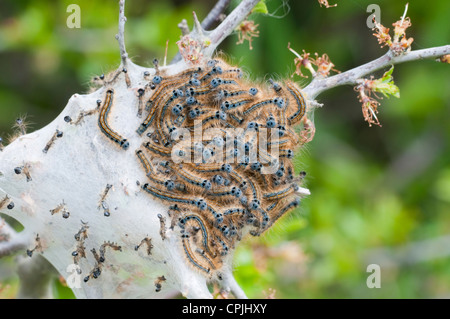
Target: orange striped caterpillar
[(159, 93), (271, 101), (157, 149), (229, 191), (171, 197), (149, 171), (242, 182), (164, 195), (161, 113), (228, 105), (145, 163), (300, 101), (103, 123), (282, 193), (277, 214), (192, 179), (204, 230), (191, 258)]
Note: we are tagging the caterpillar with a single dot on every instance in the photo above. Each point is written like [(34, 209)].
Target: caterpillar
[(145, 163), (192, 179), (103, 123), (190, 256), (157, 149), (203, 228), (282, 193), (159, 93), (148, 242), (57, 134), (300, 101), (237, 177)]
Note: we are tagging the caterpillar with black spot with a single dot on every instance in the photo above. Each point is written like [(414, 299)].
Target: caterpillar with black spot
[(103, 122), (234, 181)]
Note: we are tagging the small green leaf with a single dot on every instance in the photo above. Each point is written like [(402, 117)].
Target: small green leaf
[(388, 74), (386, 85), (261, 8)]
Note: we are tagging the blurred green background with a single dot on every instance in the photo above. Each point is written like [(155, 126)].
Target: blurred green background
[(379, 194)]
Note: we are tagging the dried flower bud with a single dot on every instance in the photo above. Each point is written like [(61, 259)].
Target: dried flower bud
[(326, 4), (246, 31)]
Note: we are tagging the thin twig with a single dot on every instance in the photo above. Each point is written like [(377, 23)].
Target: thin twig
[(120, 36), (212, 17), (231, 22), (197, 25), (229, 284), (184, 27), (225, 28), (351, 77), (214, 14)]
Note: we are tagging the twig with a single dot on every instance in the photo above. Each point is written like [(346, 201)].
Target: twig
[(229, 284), (184, 27), (351, 77), (197, 25), (231, 22), (214, 14), (120, 36), (225, 28)]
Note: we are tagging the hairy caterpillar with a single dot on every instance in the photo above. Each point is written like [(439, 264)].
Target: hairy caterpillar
[(103, 123), (234, 179)]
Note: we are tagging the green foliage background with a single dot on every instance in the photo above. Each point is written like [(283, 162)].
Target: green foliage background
[(372, 188)]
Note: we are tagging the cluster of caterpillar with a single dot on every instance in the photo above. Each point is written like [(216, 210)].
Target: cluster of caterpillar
[(238, 176)]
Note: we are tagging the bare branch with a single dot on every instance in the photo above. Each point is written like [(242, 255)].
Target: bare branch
[(212, 17), (197, 25), (224, 29), (351, 77), (184, 27), (120, 36), (231, 22), (229, 284), (214, 14)]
